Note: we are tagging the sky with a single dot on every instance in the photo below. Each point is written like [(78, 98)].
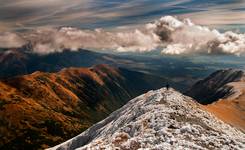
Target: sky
[(19, 15), (169, 27)]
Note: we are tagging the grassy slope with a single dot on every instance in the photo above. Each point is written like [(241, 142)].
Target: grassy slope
[(232, 109), (43, 109)]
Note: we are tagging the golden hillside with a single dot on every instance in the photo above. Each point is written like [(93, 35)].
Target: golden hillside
[(231, 109), (43, 109)]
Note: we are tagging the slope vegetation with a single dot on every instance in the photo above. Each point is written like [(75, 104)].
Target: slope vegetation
[(43, 109), (232, 108), (224, 92)]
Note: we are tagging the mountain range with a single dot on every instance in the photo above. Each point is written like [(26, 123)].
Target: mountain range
[(231, 108), (216, 86), (21, 61), (47, 99), (167, 119), (223, 94), (43, 109), (180, 71)]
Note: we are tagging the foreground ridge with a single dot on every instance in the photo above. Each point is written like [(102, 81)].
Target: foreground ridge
[(161, 119)]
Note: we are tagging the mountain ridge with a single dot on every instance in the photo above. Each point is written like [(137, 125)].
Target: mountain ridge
[(215, 86), (223, 94), (43, 109), (160, 119), (231, 109)]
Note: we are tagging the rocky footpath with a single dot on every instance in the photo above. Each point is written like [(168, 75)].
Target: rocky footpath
[(161, 119)]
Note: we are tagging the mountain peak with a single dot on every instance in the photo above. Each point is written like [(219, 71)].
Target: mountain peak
[(161, 119)]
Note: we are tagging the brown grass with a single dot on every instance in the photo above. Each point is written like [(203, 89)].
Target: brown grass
[(232, 109)]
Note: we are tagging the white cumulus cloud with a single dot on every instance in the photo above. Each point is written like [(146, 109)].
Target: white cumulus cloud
[(11, 40), (173, 36)]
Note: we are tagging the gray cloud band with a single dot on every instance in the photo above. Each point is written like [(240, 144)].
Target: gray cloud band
[(169, 34)]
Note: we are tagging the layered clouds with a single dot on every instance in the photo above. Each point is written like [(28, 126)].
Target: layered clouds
[(30, 14), (168, 34)]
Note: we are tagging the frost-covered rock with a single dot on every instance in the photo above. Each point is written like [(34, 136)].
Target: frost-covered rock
[(161, 119)]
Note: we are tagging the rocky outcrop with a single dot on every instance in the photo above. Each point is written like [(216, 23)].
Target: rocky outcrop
[(161, 119)]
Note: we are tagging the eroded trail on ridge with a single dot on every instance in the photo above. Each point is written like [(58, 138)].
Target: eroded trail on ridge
[(161, 119)]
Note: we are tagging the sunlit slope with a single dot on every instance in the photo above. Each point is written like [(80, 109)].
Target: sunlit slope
[(44, 109), (224, 92), (232, 108)]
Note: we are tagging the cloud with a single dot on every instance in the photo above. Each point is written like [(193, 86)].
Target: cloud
[(189, 38), (50, 40), (168, 33), (11, 40)]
